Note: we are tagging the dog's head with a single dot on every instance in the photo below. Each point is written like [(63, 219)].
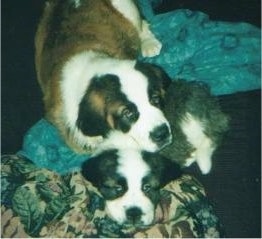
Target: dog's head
[(128, 98), (129, 180)]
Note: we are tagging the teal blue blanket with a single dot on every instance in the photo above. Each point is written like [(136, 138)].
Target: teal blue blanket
[(227, 56)]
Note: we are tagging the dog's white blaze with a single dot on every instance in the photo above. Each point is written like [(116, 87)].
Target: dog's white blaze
[(76, 76), (193, 130), (135, 86), (133, 169)]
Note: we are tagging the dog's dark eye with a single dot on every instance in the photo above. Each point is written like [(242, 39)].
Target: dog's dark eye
[(130, 114), (155, 99), (119, 188), (146, 188)]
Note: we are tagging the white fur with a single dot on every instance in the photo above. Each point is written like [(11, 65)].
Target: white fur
[(150, 46), (133, 169), (77, 3), (76, 76), (193, 129), (134, 85), (119, 140), (129, 11)]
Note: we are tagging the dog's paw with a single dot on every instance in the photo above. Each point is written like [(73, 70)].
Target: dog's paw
[(91, 143), (205, 166), (150, 47), (190, 160)]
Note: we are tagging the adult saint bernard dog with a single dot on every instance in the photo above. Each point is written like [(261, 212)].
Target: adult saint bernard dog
[(86, 53)]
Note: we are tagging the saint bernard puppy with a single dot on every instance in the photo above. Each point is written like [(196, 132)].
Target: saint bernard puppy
[(86, 53), (197, 122), (129, 179)]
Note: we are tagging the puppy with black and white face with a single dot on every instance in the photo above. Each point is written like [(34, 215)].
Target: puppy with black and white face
[(86, 65), (125, 99), (129, 179)]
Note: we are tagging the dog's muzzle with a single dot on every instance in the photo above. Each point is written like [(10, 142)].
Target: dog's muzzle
[(161, 135)]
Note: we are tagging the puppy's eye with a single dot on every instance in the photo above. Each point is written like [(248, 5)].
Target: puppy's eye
[(146, 188), (155, 100), (127, 113), (119, 188), (130, 114)]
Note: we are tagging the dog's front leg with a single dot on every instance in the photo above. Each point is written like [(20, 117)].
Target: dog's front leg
[(150, 46)]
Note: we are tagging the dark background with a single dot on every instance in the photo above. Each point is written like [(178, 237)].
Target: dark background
[(234, 185)]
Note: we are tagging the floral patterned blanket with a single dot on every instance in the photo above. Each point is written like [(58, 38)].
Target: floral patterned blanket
[(38, 202)]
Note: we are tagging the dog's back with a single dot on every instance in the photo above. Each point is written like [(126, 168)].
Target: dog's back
[(66, 29)]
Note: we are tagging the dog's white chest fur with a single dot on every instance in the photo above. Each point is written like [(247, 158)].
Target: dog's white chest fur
[(194, 131)]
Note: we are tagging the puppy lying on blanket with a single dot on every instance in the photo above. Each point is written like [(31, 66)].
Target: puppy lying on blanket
[(43, 203), (197, 124), (129, 179)]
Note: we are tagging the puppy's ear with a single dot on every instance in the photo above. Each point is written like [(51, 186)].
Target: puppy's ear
[(163, 167), (98, 167), (90, 170), (170, 171), (91, 120)]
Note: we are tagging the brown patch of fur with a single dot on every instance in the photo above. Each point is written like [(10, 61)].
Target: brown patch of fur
[(112, 110), (106, 109), (97, 101)]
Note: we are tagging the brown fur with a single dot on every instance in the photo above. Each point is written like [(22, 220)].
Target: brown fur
[(65, 31)]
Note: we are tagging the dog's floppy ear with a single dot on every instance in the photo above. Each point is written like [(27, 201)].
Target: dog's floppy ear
[(163, 167), (89, 120), (97, 168), (90, 170), (92, 108), (170, 171)]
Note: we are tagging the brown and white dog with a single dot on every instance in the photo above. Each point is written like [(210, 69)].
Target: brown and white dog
[(86, 65)]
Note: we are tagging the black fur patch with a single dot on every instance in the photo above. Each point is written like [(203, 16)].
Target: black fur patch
[(98, 167), (162, 168), (158, 82), (101, 171)]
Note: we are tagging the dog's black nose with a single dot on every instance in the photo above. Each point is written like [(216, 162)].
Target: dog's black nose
[(133, 215), (160, 133)]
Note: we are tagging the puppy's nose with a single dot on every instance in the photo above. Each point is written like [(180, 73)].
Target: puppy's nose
[(133, 215), (160, 133)]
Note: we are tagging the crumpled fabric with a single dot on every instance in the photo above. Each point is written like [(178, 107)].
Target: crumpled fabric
[(43, 145), (224, 55), (37, 202)]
